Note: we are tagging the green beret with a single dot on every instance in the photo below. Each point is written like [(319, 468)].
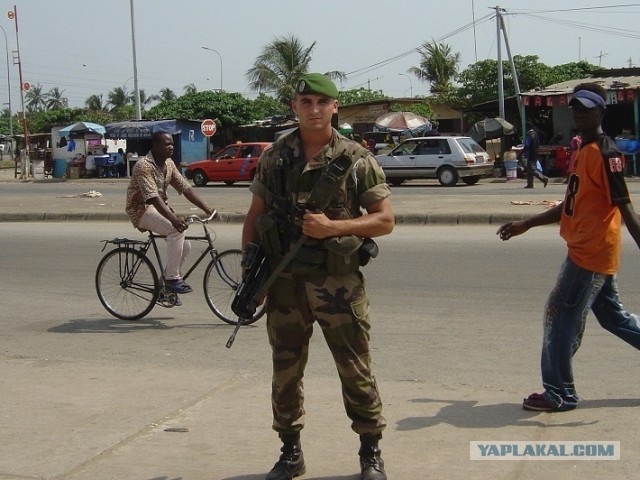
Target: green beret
[(317, 83)]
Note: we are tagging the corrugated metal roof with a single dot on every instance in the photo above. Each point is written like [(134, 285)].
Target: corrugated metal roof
[(609, 83)]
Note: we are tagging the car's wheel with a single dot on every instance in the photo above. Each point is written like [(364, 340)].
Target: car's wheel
[(447, 176), (397, 181), (199, 178), (229, 182), (471, 180)]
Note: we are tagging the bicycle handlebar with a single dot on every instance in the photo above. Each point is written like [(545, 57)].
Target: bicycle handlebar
[(197, 219)]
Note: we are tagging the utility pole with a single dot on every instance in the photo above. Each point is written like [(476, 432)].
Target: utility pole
[(135, 67), (599, 57), (13, 15), (500, 73), (514, 73)]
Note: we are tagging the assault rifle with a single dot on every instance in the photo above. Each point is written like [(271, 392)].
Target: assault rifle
[(254, 287)]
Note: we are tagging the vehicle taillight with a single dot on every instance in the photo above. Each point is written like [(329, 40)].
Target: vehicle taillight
[(469, 158)]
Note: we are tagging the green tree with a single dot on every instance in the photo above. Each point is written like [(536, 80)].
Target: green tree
[(36, 99), (280, 65), (166, 94), (190, 89), (359, 95), (42, 121), (479, 82), (265, 106), (571, 71), (423, 108), (95, 103), (230, 109), (146, 100), (118, 97), (55, 100), (438, 66)]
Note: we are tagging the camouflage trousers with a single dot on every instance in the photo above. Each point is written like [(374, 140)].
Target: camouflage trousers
[(340, 306)]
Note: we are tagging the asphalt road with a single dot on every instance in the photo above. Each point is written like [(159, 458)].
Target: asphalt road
[(456, 319)]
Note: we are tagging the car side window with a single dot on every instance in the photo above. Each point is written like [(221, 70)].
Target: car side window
[(443, 147), (247, 152), (228, 153), (408, 148)]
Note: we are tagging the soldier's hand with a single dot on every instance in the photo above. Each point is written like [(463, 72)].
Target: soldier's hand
[(317, 225)]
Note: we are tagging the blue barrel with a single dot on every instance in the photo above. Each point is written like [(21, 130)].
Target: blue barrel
[(59, 168)]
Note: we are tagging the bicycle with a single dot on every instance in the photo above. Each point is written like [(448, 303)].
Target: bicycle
[(129, 286)]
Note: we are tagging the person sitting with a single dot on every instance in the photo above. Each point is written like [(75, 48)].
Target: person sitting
[(148, 208), (90, 165)]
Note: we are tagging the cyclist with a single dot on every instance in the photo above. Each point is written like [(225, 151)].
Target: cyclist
[(148, 209)]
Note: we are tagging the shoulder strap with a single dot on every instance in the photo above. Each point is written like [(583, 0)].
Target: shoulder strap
[(327, 185)]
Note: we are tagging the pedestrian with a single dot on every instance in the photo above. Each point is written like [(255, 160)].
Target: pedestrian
[(530, 153), (590, 216), (148, 208), (323, 282)]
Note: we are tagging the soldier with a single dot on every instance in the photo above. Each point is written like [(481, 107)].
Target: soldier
[(322, 282)]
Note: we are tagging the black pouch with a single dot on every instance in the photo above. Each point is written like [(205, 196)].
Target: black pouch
[(368, 250)]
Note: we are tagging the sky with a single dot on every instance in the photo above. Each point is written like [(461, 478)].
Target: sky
[(84, 47)]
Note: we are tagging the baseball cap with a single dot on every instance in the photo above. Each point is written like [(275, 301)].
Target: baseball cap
[(317, 83), (588, 99)]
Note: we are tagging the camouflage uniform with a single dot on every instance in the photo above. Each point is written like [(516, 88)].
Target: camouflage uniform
[(306, 292)]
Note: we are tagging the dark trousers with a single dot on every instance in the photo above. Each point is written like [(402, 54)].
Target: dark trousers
[(531, 171)]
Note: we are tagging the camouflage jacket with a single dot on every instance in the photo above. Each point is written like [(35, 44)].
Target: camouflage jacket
[(284, 179)]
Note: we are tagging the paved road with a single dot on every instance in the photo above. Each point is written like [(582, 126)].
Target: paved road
[(456, 338)]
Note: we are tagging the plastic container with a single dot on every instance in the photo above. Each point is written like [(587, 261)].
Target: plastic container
[(511, 166), (59, 168), (38, 169), (622, 143)]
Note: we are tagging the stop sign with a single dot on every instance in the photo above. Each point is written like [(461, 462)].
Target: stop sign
[(208, 127)]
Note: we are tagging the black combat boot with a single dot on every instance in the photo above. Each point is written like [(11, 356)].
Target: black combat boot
[(372, 466), (291, 462)]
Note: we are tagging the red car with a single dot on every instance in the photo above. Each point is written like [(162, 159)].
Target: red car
[(234, 163)]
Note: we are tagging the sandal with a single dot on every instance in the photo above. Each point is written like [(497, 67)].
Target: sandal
[(178, 286)]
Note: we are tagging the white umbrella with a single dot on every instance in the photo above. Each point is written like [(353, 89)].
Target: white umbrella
[(400, 121)]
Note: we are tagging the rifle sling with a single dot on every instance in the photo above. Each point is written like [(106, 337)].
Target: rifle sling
[(338, 169)]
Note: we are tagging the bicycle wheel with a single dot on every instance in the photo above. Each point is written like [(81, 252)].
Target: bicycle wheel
[(221, 280), (127, 283)]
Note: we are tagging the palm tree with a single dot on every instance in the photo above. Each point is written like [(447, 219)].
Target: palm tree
[(36, 99), (145, 101), (118, 97), (166, 95), (190, 89), (280, 65), (95, 103), (54, 99), (438, 66)]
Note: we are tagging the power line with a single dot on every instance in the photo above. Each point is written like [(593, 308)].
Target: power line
[(368, 69)]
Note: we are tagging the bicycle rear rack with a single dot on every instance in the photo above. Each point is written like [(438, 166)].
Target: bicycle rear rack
[(124, 242)]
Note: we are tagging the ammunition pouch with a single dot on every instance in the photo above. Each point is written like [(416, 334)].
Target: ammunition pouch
[(368, 250), (343, 254), (267, 230)]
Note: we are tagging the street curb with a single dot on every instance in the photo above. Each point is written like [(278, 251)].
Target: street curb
[(238, 218)]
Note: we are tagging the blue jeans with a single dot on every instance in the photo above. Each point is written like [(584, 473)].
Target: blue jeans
[(577, 291)]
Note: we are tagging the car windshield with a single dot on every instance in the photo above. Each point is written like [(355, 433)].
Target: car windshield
[(469, 145)]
